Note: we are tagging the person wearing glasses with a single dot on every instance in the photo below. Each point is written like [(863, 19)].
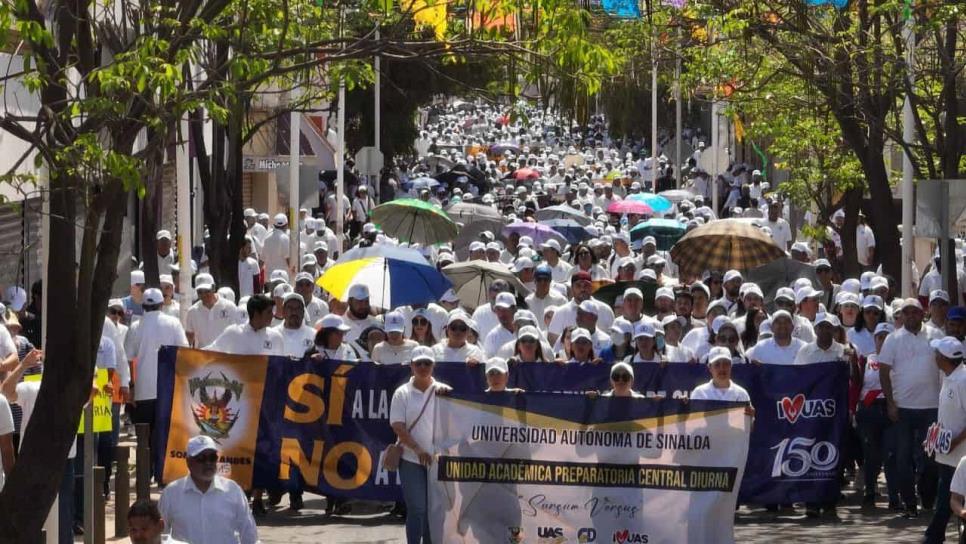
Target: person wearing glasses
[(422, 332), (456, 347), (621, 383), (203, 507), (527, 347), (543, 296), (411, 415)]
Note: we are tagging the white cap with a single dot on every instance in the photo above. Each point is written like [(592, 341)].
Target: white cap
[(938, 294), (644, 329), (589, 307), (806, 293), (200, 444), (281, 290), (16, 297), (505, 300), (884, 327), (525, 241), (528, 332), (164, 235), (498, 364), (825, 317), (395, 322), (493, 246), (751, 289), (551, 244), (422, 353), (719, 353), (648, 274), (166, 279), (781, 313), (524, 315), (633, 292), (359, 291), (204, 281), (663, 292), (304, 276), (458, 315), (878, 282), (852, 285), (333, 321), (845, 297), (721, 322), (910, 303), (153, 296), (249, 212), (522, 264), (320, 245), (622, 366), (822, 263), (368, 228), (477, 245), (278, 275), (580, 333), (802, 247), (293, 296), (731, 275), (949, 346), (137, 277), (872, 301), (280, 220), (449, 296)]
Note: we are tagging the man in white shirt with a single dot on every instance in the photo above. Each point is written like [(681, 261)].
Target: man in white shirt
[(824, 349), (357, 316), (781, 348), (144, 338), (948, 437), (566, 315), (781, 233), (864, 244), (248, 269), (720, 387), (484, 316), (166, 256), (543, 296), (504, 306), (203, 507), (256, 230), (210, 316), (315, 308), (275, 248), (551, 252), (256, 337), (145, 524), (297, 337), (911, 385)]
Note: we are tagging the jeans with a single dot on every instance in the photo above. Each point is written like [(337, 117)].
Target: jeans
[(415, 493), (913, 468), (878, 447), (936, 532)]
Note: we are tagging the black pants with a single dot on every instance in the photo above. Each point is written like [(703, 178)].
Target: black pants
[(144, 413)]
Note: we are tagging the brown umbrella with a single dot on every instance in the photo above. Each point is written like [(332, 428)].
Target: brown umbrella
[(724, 244)]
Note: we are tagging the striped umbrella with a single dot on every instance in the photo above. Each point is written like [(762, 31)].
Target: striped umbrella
[(657, 202), (415, 221), (724, 244), (629, 207), (396, 276)]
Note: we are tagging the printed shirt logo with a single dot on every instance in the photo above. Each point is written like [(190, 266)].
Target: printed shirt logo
[(790, 409), (213, 412)]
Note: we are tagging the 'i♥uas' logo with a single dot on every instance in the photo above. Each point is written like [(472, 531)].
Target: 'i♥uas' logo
[(793, 408)]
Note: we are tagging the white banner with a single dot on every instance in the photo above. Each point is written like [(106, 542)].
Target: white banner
[(555, 468)]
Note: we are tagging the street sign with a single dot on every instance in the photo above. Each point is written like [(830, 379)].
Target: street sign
[(369, 161)]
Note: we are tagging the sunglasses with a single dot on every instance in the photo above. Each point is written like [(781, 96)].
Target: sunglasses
[(620, 377), (420, 321), (422, 362), (528, 341), (207, 458), (115, 312), (495, 372), (458, 328)]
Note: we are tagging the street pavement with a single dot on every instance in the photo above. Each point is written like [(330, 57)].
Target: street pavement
[(370, 523)]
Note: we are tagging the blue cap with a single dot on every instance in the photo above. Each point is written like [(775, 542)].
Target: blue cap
[(956, 312), (543, 270)]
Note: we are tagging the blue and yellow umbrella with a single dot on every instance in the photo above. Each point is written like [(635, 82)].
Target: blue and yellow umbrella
[(396, 276)]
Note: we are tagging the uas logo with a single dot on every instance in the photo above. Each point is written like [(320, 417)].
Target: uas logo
[(627, 537), (586, 535), (550, 535), (213, 412), (790, 409)]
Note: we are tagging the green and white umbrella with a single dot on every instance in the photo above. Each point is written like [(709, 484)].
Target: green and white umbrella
[(415, 221)]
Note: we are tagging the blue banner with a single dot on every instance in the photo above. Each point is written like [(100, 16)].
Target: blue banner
[(322, 425)]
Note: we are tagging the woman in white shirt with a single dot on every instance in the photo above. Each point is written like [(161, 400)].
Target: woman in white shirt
[(422, 328), (861, 334), (582, 348), (396, 349), (622, 382), (872, 422), (330, 341), (645, 345), (411, 415), (674, 352)]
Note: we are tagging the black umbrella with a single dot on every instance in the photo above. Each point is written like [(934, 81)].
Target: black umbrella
[(331, 175), (609, 293)]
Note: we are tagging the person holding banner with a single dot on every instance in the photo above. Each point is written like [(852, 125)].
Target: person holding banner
[(497, 373), (645, 345), (721, 387), (411, 415), (622, 382), (297, 337), (581, 350), (330, 341), (781, 348), (456, 347), (257, 336), (396, 348), (204, 507), (947, 437)]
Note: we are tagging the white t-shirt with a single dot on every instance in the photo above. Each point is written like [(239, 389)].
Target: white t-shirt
[(485, 319), (275, 251), (386, 354), (958, 484), (356, 326), (27, 393), (870, 380), (208, 324), (566, 316), (781, 233), (915, 379), (296, 342), (144, 338), (443, 352), (538, 305), (247, 270), (496, 339), (315, 310), (952, 413), (707, 391), (864, 240), (6, 427), (7, 345), (811, 353), (770, 353), (241, 339), (863, 341), (407, 402)]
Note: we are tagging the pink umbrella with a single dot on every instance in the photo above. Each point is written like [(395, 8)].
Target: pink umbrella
[(525, 174), (630, 207)]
